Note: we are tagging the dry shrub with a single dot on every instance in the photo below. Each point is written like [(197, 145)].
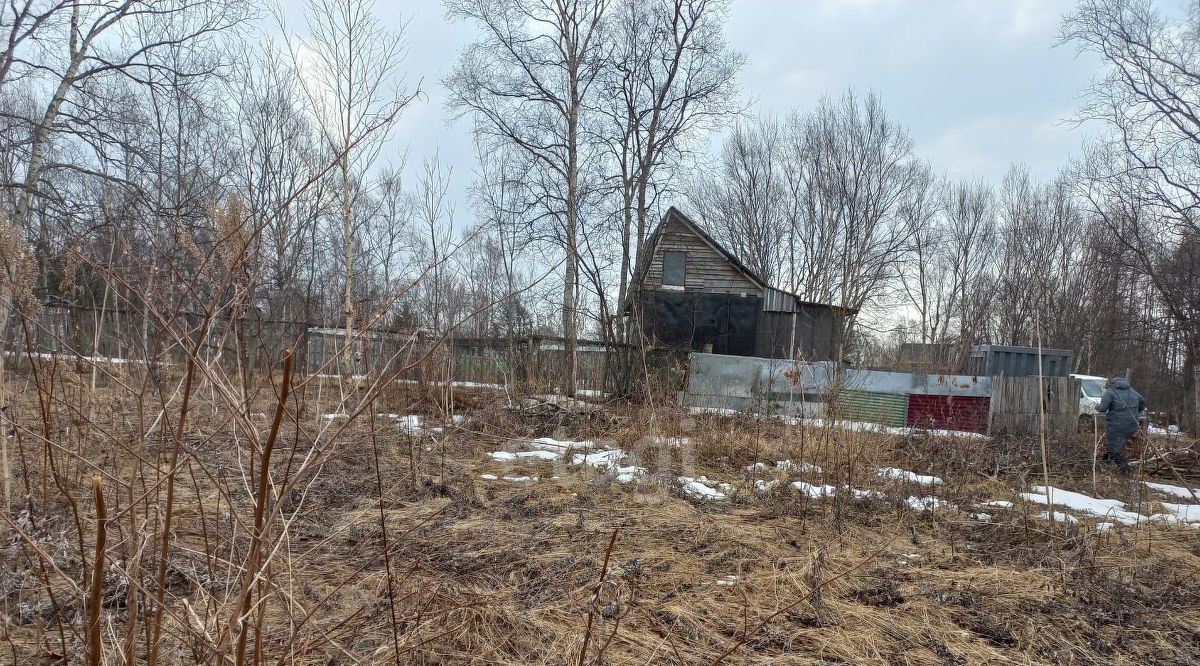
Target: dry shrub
[(390, 547)]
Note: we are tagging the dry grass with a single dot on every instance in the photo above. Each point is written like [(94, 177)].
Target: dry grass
[(479, 571)]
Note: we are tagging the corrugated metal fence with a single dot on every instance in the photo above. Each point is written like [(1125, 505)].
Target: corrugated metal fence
[(931, 401)]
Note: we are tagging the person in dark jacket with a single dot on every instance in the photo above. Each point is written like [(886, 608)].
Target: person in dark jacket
[(1122, 405)]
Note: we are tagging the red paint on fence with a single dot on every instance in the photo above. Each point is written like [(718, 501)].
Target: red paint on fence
[(948, 412)]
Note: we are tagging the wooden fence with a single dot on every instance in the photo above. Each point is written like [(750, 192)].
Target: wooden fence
[(1015, 405)]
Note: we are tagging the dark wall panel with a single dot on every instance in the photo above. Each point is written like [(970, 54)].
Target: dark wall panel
[(694, 321)]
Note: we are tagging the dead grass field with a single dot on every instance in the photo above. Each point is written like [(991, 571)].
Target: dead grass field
[(382, 543)]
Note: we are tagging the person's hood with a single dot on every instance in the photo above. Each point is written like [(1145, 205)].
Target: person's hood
[(1120, 383)]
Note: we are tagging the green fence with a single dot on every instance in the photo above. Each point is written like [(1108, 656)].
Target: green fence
[(890, 409)]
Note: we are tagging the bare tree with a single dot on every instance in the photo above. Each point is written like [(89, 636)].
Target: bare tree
[(1141, 178), (742, 204), (670, 80), (356, 97), (526, 82)]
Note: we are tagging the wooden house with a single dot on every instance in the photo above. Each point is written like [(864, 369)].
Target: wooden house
[(690, 293)]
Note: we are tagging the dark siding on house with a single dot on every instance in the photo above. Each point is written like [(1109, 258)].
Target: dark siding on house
[(707, 270), (717, 323), (818, 333)]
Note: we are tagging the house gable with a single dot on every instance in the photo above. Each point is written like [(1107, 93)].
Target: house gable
[(708, 267)]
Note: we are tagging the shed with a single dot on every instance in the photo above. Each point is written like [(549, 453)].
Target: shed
[(998, 360), (690, 293)]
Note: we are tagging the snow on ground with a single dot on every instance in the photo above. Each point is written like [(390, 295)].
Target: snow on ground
[(604, 459), (520, 479), (815, 492), (505, 456), (999, 504), (861, 426), (626, 474), (1169, 431), (488, 477), (1060, 517), (1177, 491), (1105, 526), (1085, 504), (696, 489), (905, 475), (765, 486), (561, 445), (1188, 513), (550, 450), (926, 503), (982, 517)]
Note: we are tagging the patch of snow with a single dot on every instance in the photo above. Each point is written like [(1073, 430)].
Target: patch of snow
[(1177, 491), (815, 492), (926, 503), (560, 445), (599, 458), (628, 474), (1105, 526), (1188, 513), (459, 419), (520, 479), (905, 475), (1085, 504), (331, 417), (505, 456), (765, 486), (488, 477), (999, 504), (866, 494), (982, 517), (757, 467), (727, 580), (861, 426), (693, 488), (1060, 517)]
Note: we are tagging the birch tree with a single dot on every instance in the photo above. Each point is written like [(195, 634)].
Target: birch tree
[(526, 83), (356, 97)]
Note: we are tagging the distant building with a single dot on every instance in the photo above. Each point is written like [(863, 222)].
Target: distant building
[(928, 357), (693, 294)]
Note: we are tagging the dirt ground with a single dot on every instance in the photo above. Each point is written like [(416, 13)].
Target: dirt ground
[(390, 539)]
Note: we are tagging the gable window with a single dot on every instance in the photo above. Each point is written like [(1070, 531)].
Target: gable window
[(674, 270)]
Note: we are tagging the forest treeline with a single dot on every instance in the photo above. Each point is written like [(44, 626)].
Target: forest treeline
[(161, 157)]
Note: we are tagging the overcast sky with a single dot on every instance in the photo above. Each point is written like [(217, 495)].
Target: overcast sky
[(979, 84)]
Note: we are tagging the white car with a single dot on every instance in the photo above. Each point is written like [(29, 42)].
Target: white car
[(1091, 389)]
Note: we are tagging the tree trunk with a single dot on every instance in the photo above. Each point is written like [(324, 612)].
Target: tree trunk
[(348, 257), (1195, 354)]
